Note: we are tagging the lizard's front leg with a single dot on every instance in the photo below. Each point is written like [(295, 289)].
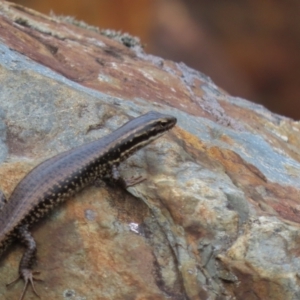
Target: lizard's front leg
[(125, 183)]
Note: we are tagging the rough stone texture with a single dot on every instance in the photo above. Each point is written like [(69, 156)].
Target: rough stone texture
[(218, 217)]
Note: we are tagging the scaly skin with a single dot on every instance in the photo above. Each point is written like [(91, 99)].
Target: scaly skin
[(61, 176)]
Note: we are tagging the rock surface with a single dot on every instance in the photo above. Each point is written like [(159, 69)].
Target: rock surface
[(218, 216)]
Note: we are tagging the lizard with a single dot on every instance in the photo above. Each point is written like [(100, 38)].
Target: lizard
[(58, 178)]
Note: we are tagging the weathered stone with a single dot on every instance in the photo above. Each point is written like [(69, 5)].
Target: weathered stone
[(217, 217)]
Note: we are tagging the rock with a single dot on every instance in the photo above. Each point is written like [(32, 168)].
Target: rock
[(218, 216)]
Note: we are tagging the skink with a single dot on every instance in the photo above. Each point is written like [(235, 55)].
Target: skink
[(61, 176)]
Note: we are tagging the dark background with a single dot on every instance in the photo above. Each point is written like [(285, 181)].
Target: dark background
[(250, 48)]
